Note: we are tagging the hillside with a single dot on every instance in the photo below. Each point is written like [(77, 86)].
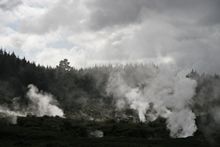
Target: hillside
[(91, 95)]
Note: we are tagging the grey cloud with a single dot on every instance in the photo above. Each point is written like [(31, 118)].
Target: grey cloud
[(191, 45), (186, 30), (105, 13), (62, 14), (9, 4)]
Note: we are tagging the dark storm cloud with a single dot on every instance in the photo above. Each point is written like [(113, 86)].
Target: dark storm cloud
[(9, 4)]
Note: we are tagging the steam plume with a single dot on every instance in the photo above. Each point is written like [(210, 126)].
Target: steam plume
[(156, 91), (41, 104), (10, 115)]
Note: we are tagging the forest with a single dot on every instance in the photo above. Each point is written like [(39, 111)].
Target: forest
[(89, 104)]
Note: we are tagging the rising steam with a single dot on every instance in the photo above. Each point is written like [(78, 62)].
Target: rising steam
[(40, 104), (154, 92)]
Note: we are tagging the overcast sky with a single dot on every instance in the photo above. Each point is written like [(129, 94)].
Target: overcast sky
[(88, 32)]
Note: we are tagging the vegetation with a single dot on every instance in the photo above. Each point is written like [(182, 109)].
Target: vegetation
[(71, 87), (50, 131), (81, 94)]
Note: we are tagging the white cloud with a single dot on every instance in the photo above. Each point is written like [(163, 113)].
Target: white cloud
[(101, 31)]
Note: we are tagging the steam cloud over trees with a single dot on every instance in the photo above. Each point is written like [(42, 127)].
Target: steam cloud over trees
[(137, 93)]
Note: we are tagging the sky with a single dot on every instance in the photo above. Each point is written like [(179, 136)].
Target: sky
[(97, 32)]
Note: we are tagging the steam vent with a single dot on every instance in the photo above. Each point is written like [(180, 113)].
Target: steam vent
[(109, 73)]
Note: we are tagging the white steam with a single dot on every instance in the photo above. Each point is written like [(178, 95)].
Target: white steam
[(40, 104), (9, 115), (181, 123), (156, 92)]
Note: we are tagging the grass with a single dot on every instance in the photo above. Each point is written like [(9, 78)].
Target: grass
[(56, 132)]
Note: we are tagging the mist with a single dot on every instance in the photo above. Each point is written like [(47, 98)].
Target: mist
[(111, 69), (40, 104), (156, 91)]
